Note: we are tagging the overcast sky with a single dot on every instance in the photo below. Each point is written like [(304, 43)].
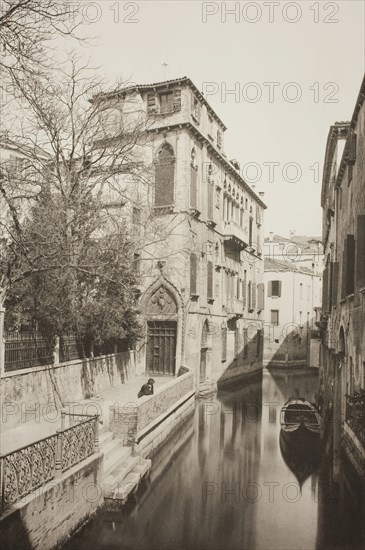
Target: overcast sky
[(312, 52)]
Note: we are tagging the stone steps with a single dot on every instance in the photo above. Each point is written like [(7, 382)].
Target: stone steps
[(125, 479)]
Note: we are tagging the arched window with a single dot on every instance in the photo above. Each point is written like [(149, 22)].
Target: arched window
[(164, 176)]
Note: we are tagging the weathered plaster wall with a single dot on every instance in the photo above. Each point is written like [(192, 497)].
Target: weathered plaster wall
[(28, 394)]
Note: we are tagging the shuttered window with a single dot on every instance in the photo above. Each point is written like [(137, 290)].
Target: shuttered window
[(249, 292), (151, 104), (335, 273), (245, 343), (258, 342), (177, 99), (164, 177), (360, 252), (253, 295), (166, 102), (224, 344), (236, 333), (244, 289), (348, 266), (261, 296), (350, 277), (325, 290), (210, 200), (193, 274), (210, 281), (193, 187)]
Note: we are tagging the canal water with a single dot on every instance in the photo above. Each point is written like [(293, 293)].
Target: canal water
[(227, 481)]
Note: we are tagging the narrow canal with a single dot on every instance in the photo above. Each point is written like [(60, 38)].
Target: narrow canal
[(226, 481)]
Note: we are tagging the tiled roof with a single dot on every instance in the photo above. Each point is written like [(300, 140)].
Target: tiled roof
[(162, 84), (280, 265), (301, 240)]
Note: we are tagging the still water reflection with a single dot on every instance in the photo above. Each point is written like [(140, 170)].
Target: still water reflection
[(223, 483)]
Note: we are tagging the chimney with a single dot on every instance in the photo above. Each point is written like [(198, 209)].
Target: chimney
[(253, 187), (291, 233), (271, 236), (261, 193)]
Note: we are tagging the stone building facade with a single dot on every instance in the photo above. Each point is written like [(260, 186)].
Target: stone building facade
[(293, 298), (343, 319), (199, 238)]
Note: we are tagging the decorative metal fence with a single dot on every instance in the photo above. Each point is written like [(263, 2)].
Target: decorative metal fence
[(69, 350), (26, 469), (26, 349), (355, 415)]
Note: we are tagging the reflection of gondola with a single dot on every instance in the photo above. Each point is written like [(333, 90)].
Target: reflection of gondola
[(301, 453), (299, 414)]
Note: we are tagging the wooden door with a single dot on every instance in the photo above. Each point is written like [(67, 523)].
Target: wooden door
[(161, 347)]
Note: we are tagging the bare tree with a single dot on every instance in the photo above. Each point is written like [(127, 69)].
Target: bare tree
[(28, 26), (65, 244)]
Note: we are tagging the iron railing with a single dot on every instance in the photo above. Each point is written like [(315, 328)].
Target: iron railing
[(26, 349), (26, 469)]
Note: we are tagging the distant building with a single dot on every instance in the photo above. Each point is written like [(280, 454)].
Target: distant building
[(202, 285), (292, 306), (343, 319)]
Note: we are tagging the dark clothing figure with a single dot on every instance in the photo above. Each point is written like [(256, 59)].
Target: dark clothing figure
[(147, 389)]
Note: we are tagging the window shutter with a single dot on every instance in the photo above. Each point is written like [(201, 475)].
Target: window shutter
[(258, 342), (224, 344), (279, 288), (350, 261), (335, 270), (209, 280), (360, 252), (236, 343), (249, 290), (219, 138), (151, 104), (244, 290), (210, 201), (193, 187), (253, 295), (261, 296), (193, 274), (325, 290), (343, 269), (177, 99), (269, 289), (352, 148), (245, 343)]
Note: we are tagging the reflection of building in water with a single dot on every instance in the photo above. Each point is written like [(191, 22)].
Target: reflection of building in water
[(282, 497)]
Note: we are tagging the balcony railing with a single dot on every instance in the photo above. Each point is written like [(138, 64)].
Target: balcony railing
[(355, 414), (235, 233)]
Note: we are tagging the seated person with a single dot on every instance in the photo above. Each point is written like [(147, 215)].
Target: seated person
[(147, 389)]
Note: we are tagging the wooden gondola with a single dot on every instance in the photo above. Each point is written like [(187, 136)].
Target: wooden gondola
[(298, 415)]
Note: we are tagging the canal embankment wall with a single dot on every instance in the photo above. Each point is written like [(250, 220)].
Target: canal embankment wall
[(35, 393), (45, 519), (146, 424)]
